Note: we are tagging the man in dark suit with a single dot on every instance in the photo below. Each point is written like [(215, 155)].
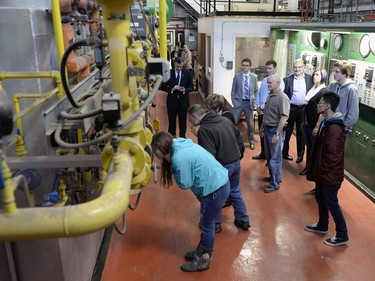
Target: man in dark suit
[(296, 87), (178, 88)]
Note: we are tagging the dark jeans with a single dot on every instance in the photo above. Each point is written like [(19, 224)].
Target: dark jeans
[(235, 196), (326, 197), (211, 207), (296, 116)]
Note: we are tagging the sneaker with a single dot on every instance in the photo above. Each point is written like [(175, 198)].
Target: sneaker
[(197, 264), (310, 192), (335, 241), (314, 228), (270, 189), (189, 256), (242, 224)]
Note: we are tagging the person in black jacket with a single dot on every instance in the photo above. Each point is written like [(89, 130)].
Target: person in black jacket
[(222, 139), (326, 169), (178, 88)]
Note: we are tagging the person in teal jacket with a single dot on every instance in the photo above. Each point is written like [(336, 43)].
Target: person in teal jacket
[(193, 167)]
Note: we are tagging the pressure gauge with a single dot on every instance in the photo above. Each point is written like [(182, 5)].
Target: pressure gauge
[(323, 43), (372, 44), (337, 42), (364, 46)]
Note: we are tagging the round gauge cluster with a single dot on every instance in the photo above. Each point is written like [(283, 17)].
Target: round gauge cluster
[(364, 46), (337, 42)]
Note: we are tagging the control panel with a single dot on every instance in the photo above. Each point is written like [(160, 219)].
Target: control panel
[(313, 60), (363, 76)]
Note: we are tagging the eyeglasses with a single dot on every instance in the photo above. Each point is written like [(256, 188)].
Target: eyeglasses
[(298, 66), (245, 65)]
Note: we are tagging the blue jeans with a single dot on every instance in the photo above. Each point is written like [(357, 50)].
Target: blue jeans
[(274, 155), (211, 207), (249, 115), (235, 197), (326, 197)]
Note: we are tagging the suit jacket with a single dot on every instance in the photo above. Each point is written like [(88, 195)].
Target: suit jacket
[(288, 81), (237, 89), (174, 97)]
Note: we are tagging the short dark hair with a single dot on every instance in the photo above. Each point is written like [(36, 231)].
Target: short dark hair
[(332, 99), (273, 62), (177, 60), (247, 60)]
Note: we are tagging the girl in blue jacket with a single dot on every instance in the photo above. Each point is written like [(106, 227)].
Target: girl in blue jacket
[(194, 168)]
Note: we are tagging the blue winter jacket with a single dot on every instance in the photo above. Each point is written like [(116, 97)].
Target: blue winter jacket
[(194, 167)]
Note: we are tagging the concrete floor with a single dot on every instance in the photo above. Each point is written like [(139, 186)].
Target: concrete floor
[(276, 247)]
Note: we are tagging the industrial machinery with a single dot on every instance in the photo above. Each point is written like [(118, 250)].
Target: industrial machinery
[(75, 142), (320, 47)]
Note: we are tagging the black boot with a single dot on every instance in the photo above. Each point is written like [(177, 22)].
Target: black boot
[(198, 260)]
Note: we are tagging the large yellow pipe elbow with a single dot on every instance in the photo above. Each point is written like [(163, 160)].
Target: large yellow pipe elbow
[(40, 223)]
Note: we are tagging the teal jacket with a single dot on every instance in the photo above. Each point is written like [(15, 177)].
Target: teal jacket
[(195, 168)]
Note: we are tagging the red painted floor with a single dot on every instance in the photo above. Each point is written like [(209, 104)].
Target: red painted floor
[(165, 226)]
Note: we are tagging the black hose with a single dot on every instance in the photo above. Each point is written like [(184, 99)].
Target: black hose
[(64, 59)]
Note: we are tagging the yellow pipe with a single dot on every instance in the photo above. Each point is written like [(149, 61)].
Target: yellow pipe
[(59, 38), (117, 25), (20, 147), (40, 74), (163, 28), (9, 201), (80, 140), (17, 109), (64, 197), (47, 222), (44, 97)]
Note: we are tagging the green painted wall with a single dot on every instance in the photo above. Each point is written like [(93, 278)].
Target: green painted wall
[(360, 144)]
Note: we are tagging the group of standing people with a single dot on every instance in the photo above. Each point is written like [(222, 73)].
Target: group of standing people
[(211, 169), (323, 118)]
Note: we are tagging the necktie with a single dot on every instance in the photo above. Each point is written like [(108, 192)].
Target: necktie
[(178, 78), (246, 89)]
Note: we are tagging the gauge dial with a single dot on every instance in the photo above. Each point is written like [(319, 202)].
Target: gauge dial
[(364, 46), (372, 44), (337, 42), (323, 43)]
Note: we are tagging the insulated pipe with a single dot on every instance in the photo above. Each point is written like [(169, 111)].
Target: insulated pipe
[(163, 28), (57, 27), (47, 222), (117, 26)]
